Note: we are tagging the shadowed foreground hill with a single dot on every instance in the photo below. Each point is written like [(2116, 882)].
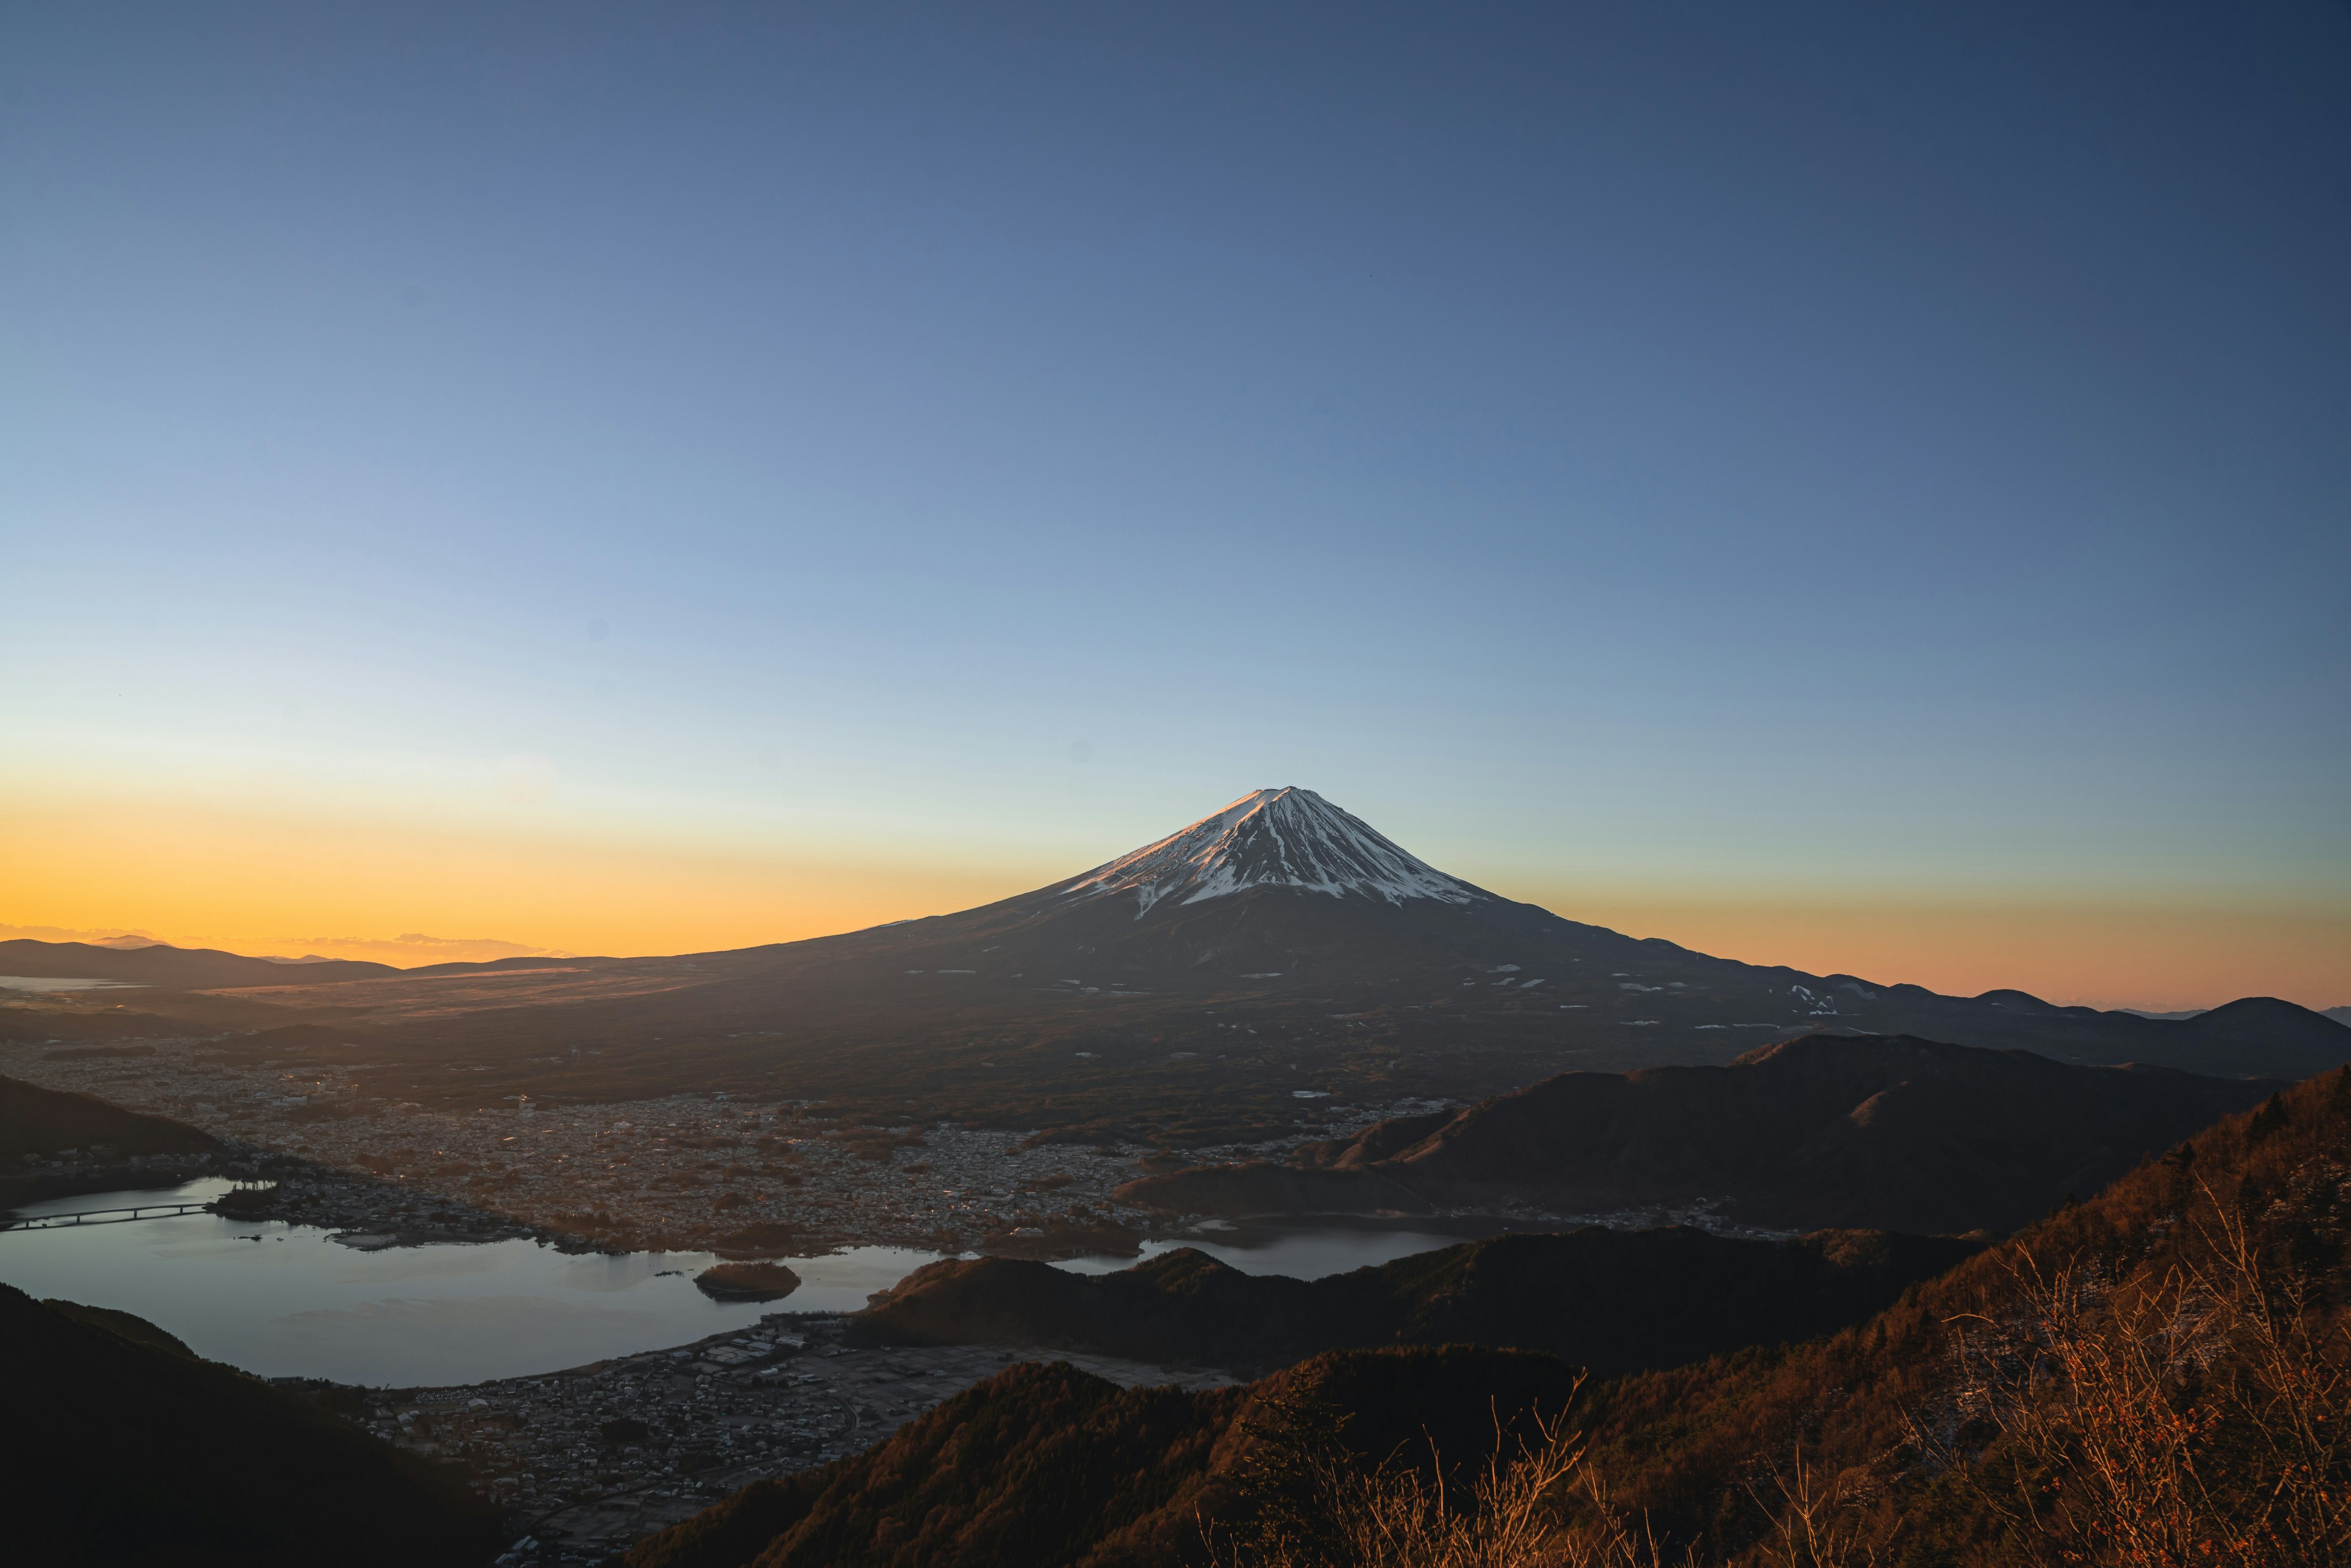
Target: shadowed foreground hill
[(1044, 1465), (117, 1450), (1611, 1300), (1895, 1133), (34, 1120)]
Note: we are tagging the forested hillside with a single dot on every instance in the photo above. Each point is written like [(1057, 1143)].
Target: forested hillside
[(120, 1448), (1612, 1300)]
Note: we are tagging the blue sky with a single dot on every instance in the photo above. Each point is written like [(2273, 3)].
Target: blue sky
[(1694, 451)]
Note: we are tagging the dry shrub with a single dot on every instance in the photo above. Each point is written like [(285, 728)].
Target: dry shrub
[(1533, 1502), (2179, 1414), (1818, 1516)]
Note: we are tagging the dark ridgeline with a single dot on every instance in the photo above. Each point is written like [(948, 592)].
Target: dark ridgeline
[(1888, 1418), (122, 1326), (1610, 1301), (1044, 1465), (43, 1123), (119, 1448), (1827, 1130), (38, 1121), (166, 967)]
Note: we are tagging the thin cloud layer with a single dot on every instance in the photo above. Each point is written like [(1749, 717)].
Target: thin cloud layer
[(412, 948)]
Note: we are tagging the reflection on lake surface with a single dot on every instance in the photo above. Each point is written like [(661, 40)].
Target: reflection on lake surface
[(1301, 1254), (287, 1301)]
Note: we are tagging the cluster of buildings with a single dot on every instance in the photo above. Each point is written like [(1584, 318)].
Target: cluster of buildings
[(586, 1462), (680, 1173)]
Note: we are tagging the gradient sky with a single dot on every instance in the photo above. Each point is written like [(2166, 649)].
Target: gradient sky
[(1867, 487)]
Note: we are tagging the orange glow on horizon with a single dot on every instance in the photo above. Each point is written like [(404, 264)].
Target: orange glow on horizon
[(2112, 953), (251, 883), (203, 878)]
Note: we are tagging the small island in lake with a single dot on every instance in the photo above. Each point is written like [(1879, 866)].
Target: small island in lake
[(747, 1281)]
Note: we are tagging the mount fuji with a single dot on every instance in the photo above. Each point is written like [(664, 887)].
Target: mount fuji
[(1287, 837), (1278, 884), (1272, 963)]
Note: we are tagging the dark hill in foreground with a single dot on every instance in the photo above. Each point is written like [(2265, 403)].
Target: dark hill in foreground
[(1046, 1465), (118, 1451), (1612, 1300), (1828, 1130), (122, 1326), (37, 1121)]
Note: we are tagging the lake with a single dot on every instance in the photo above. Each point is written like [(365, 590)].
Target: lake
[(286, 1301), (45, 983)]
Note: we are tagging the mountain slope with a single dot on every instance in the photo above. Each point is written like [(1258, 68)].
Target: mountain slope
[(34, 1120), (1286, 838), (2185, 1329), (1827, 1130), (1044, 1464), (120, 1451)]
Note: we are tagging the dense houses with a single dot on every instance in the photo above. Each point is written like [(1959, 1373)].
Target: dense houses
[(584, 1462), (680, 1173)]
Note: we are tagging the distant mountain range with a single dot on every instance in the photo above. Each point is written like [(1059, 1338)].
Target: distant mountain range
[(1827, 1130), (163, 966), (1274, 961), (2340, 1015)]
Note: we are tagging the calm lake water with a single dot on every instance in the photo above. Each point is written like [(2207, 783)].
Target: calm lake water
[(44, 983), (286, 1301)]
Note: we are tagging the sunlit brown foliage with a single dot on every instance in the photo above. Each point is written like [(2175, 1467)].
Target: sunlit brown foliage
[(1532, 1501), (2191, 1411), (2160, 1376)]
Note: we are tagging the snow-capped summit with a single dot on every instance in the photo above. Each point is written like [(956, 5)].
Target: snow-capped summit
[(1273, 838)]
